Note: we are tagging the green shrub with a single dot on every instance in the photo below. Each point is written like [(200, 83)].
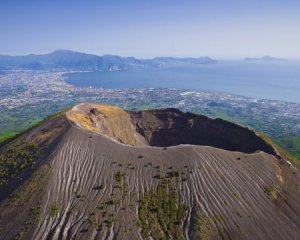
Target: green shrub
[(54, 209)]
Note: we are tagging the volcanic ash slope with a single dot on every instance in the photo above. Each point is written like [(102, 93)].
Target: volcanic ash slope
[(106, 173)]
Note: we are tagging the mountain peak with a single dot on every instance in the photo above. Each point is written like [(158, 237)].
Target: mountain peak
[(266, 58), (62, 59), (101, 171), (165, 128)]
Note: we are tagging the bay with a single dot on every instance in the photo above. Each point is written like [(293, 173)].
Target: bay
[(264, 80)]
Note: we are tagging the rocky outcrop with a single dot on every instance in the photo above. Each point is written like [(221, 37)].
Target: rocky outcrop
[(170, 127), (166, 127)]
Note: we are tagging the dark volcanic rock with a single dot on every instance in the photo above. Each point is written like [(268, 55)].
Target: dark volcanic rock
[(169, 127)]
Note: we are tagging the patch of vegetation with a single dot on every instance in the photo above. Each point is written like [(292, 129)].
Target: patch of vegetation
[(214, 113), (98, 187), (158, 176), (161, 214), (239, 214), (15, 159), (291, 143), (35, 210), (112, 201), (34, 189), (81, 197), (98, 227), (119, 176), (6, 136), (23, 119), (29, 222), (108, 222), (54, 210), (272, 190), (172, 174), (203, 226), (281, 150)]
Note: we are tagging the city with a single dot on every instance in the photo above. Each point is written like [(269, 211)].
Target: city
[(27, 97)]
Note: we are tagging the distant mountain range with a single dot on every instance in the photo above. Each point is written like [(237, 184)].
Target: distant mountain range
[(200, 60), (266, 59), (69, 60)]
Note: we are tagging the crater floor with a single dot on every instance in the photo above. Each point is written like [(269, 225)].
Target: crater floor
[(166, 127)]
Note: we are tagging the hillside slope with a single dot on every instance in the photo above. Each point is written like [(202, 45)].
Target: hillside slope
[(96, 176), (70, 60)]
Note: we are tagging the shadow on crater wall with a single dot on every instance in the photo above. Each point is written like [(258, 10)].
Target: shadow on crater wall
[(169, 127)]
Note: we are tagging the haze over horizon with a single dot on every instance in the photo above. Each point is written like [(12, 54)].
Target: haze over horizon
[(218, 29)]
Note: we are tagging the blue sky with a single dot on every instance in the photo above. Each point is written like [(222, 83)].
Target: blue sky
[(142, 28)]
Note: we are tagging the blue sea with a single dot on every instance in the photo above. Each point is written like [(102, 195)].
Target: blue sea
[(266, 80)]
